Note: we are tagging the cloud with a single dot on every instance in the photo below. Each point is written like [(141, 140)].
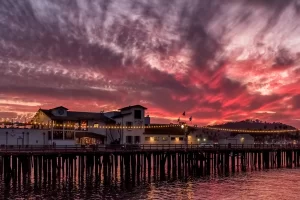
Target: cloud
[(216, 60)]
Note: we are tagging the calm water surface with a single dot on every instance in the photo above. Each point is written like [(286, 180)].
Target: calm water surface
[(266, 185)]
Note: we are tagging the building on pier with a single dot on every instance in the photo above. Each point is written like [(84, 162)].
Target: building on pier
[(239, 139), (66, 127), (130, 116), (20, 136), (172, 135), (71, 127), (61, 126)]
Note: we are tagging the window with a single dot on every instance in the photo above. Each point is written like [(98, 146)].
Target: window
[(49, 135), (129, 139), (137, 114), (129, 124), (58, 135), (172, 138), (156, 138), (136, 139), (69, 135), (181, 138), (76, 126), (147, 139), (96, 125), (164, 138), (84, 125)]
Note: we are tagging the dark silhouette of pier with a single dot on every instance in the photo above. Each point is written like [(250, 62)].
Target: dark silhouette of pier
[(134, 165)]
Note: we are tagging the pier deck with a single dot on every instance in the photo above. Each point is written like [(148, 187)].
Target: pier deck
[(132, 161), (38, 150)]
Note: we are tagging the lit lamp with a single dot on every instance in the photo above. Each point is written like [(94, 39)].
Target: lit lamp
[(204, 139), (185, 135), (242, 140)]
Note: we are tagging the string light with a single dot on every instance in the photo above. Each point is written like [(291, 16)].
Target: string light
[(250, 131), (99, 127), (151, 126)]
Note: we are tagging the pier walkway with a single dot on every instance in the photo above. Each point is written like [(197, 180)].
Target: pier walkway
[(49, 149), (134, 162)]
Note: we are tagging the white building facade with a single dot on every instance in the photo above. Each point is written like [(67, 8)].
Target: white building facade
[(15, 136), (133, 118)]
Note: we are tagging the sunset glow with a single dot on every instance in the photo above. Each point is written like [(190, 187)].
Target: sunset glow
[(216, 60)]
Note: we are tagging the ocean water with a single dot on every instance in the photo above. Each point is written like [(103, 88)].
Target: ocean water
[(266, 184)]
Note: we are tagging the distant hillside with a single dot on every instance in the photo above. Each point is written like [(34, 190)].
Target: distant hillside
[(215, 135), (254, 125)]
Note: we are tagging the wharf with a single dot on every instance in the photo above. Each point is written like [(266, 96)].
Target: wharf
[(133, 162)]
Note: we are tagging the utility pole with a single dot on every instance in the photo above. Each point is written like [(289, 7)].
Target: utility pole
[(52, 132), (184, 127)]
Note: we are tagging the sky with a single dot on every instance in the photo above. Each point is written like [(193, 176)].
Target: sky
[(217, 60)]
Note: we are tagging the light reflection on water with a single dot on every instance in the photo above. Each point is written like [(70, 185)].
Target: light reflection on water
[(267, 185)]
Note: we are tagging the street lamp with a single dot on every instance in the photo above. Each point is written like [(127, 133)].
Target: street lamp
[(185, 134), (242, 140)]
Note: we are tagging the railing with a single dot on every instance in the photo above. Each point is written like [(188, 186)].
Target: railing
[(142, 147)]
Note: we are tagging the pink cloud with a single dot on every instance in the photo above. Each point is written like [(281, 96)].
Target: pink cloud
[(218, 64)]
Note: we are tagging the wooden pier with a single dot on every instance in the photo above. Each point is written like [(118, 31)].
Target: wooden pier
[(147, 162)]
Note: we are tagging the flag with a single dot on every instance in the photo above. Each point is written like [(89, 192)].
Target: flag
[(191, 118), (183, 113), (178, 119)]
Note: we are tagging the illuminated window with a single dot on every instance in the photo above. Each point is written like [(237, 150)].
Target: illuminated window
[(96, 125), (181, 138), (84, 125), (156, 138), (164, 138), (147, 139), (69, 135)]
